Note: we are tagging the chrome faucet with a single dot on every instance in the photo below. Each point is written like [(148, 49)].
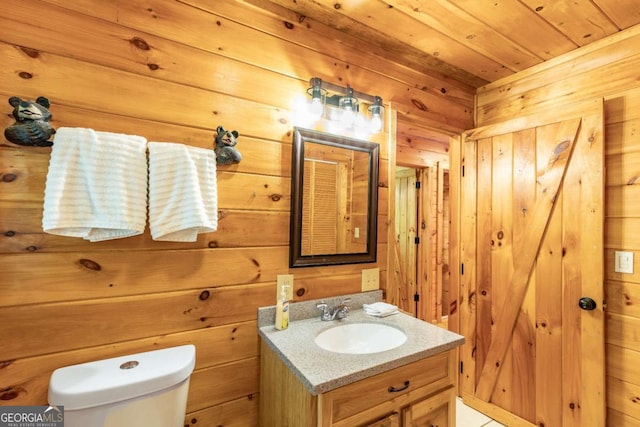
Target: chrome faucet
[(340, 311)]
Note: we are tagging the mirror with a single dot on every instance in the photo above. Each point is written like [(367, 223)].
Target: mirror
[(334, 200)]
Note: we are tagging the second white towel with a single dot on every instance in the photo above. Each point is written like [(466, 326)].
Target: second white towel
[(183, 195)]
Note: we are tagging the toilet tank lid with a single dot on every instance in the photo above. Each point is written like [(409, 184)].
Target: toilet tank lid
[(126, 377)]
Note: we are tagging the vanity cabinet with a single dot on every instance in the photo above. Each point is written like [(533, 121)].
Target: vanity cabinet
[(420, 393)]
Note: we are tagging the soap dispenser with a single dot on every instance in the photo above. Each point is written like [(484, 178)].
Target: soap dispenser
[(282, 309)]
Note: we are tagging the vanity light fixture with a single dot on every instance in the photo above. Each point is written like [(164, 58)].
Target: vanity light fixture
[(343, 106), (318, 98), (377, 115)]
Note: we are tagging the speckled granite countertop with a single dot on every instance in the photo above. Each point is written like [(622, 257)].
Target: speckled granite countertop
[(321, 370)]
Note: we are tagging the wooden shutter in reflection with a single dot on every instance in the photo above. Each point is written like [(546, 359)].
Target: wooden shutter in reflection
[(320, 216)]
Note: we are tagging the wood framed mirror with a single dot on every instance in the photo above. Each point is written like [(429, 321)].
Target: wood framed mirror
[(334, 200)]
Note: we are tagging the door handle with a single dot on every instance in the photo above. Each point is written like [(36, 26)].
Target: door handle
[(587, 303)]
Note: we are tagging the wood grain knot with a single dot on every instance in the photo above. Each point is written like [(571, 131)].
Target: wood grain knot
[(153, 67), (89, 264), (213, 244), (32, 53), (11, 393), (419, 104), (6, 363), (9, 177), (25, 75), (140, 43), (276, 197), (288, 25), (301, 291), (453, 307), (10, 233), (204, 295), (562, 147)]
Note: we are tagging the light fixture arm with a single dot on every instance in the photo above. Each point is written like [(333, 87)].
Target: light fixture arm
[(331, 87)]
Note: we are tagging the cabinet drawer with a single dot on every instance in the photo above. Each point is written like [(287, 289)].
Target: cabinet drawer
[(429, 375)]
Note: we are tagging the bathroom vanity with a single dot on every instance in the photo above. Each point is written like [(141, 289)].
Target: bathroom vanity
[(303, 384)]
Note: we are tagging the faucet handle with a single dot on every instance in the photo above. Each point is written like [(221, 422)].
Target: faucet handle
[(342, 309), (321, 305)]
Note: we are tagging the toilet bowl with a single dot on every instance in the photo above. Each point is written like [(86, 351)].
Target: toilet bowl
[(143, 389)]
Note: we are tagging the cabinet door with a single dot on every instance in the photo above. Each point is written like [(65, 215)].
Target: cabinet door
[(435, 411), (392, 420)]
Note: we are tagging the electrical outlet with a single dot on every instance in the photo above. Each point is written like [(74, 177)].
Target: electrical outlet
[(623, 262), (370, 279), (284, 280)]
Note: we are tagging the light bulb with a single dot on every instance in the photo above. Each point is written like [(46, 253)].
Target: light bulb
[(349, 106), (348, 117), (377, 110), (316, 109), (376, 123)]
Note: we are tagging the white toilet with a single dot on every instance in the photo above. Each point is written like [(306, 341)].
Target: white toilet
[(144, 389)]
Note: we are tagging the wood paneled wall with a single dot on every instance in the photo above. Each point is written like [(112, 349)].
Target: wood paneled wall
[(606, 69), (174, 71)]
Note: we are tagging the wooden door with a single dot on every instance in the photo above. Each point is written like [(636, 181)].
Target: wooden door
[(406, 221), (531, 246)]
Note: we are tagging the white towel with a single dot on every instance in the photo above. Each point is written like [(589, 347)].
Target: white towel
[(380, 309), (96, 185), (183, 194)]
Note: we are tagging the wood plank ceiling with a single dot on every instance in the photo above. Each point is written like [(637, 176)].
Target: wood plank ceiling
[(473, 41)]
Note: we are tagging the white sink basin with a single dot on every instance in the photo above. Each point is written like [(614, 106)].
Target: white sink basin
[(360, 338)]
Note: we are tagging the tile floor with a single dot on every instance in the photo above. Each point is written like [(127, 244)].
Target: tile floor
[(469, 417)]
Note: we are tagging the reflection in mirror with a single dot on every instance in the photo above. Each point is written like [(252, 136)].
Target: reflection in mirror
[(334, 199)]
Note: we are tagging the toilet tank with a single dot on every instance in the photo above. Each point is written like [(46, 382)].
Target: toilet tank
[(136, 390)]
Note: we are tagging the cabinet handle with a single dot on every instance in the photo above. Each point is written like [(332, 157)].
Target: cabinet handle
[(395, 390)]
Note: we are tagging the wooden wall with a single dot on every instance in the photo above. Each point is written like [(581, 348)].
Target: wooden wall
[(174, 71), (606, 69)]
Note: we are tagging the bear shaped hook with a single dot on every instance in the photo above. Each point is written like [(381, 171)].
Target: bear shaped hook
[(31, 127), (225, 147)]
